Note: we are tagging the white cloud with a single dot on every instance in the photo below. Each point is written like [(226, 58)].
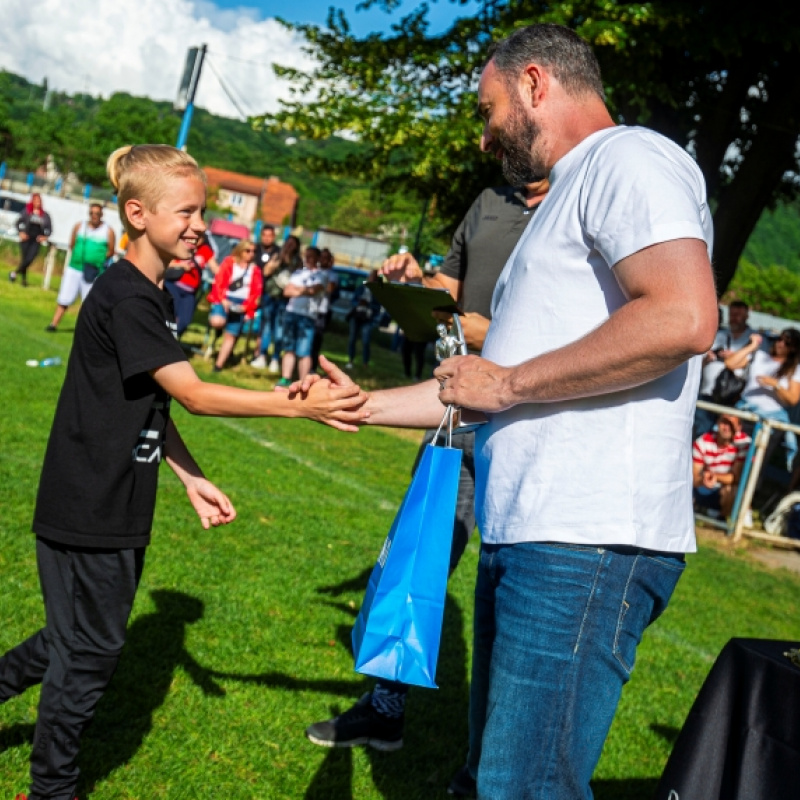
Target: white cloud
[(139, 46)]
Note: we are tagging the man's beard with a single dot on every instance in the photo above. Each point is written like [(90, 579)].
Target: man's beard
[(522, 164)]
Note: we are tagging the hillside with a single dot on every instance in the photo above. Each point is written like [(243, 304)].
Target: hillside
[(79, 131)]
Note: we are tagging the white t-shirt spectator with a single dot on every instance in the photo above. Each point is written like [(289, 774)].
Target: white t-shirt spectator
[(328, 278), (724, 340), (307, 305), (763, 398), (613, 469)]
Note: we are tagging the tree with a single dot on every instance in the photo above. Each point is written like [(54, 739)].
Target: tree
[(720, 83)]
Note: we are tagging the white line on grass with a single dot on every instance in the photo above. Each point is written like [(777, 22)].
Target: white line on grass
[(667, 635), (334, 477)]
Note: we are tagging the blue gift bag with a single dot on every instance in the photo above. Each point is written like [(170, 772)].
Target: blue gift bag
[(397, 632)]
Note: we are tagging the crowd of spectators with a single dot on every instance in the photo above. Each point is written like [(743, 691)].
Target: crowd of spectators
[(753, 372)]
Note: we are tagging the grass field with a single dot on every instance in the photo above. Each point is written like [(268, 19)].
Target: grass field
[(240, 636)]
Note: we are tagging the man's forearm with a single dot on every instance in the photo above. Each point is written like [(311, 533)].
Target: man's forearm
[(640, 342), (415, 406)]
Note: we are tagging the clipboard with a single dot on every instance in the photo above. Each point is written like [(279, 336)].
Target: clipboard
[(412, 305)]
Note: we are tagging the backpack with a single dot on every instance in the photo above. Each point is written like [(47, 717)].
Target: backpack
[(728, 386)]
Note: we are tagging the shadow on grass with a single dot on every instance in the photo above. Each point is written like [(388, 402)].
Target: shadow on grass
[(153, 650), (16, 735), (435, 736)]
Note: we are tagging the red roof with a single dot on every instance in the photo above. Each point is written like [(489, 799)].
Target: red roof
[(278, 199)]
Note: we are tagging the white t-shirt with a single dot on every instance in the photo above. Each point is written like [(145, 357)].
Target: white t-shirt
[(238, 296), (307, 305), (613, 469), (763, 365), (328, 278)]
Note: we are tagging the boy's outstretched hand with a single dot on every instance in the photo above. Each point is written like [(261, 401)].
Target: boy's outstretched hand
[(335, 400), (212, 506)]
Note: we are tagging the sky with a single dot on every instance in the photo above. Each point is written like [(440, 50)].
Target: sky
[(139, 46)]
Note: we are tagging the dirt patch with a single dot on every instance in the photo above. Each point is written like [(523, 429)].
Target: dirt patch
[(772, 557)]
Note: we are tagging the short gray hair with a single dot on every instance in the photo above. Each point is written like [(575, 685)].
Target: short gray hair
[(560, 49)]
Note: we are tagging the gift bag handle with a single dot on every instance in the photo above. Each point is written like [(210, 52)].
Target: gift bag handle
[(449, 413)]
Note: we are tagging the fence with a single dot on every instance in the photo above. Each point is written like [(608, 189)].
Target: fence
[(738, 524), (13, 180)]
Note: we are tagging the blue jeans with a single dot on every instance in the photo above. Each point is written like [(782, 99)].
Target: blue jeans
[(272, 310), (781, 415), (184, 302), (364, 330), (298, 334), (556, 631)]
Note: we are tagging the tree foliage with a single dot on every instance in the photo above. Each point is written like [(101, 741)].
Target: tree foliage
[(720, 83), (79, 132), (772, 289)]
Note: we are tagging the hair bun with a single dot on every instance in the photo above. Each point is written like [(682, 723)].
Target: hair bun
[(113, 166)]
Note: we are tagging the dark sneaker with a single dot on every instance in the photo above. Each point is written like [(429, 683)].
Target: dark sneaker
[(359, 725), (51, 328), (463, 784)]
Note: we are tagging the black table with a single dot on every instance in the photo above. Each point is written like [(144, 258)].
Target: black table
[(741, 740)]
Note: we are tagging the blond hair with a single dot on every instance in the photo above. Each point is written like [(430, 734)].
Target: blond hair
[(143, 171), (240, 247)]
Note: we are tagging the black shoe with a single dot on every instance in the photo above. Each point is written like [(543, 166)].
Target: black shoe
[(359, 725), (51, 328), (463, 784)]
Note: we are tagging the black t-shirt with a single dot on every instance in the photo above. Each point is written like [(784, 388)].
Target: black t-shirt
[(264, 254), (100, 472), (483, 242)]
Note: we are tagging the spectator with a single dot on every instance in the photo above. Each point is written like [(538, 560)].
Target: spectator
[(183, 281), (266, 247), (34, 230), (478, 252), (717, 461), (413, 351), (727, 342), (363, 318), (276, 273), (91, 245), (773, 380), (234, 297), (324, 312), (304, 292)]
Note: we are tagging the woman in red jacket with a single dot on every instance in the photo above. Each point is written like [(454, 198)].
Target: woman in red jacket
[(234, 297)]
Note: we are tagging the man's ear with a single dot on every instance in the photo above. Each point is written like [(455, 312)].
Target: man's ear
[(535, 84), (135, 211)]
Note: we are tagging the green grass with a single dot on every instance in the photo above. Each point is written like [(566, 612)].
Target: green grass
[(240, 635)]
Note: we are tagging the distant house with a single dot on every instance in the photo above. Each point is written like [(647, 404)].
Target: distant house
[(249, 199)]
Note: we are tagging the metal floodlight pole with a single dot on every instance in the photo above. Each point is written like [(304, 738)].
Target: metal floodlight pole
[(187, 91)]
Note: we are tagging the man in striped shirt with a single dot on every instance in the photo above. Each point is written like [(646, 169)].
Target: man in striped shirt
[(717, 460)]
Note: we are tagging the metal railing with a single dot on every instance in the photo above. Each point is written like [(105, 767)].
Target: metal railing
[(739, 523)]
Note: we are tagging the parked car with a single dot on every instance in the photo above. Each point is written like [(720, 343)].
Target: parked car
[(10, 209), (348, 279)]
